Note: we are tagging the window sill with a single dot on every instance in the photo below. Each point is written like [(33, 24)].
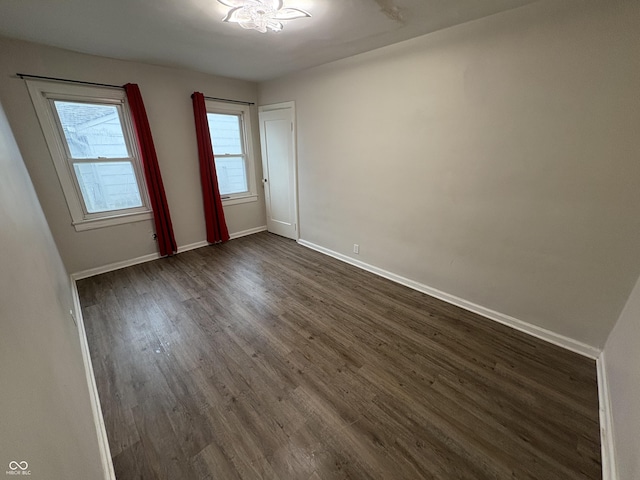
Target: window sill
[(111, 221), (236, 200)]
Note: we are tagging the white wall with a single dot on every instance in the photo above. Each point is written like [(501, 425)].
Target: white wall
[(45, 414), (622, 363), (167, 96), (496, 161)]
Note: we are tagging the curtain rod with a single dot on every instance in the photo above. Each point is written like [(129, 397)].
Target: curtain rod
[(229, 101), (26, 75)]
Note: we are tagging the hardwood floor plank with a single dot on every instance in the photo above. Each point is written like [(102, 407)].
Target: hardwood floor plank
[(260, 359)]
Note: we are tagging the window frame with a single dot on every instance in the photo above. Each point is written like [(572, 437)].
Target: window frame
[(246, 133), (43, 95)]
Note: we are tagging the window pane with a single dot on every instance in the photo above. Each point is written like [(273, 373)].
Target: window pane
[(108, 186), (225, 134), (232, 175), (92, 130)]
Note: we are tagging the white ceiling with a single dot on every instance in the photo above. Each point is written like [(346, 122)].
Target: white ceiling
[(190, 34)]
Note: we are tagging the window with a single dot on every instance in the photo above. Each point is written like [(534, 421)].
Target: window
[(230, 129), (89, 133)]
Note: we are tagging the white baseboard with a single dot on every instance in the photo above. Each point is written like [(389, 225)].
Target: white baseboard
[(251, 231), (191, 246), (154, 256), (538, 332), (607, 442), (114, 266), (98, 419)]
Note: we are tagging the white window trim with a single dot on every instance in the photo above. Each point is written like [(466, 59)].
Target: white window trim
[(247, 137), (41, 93)]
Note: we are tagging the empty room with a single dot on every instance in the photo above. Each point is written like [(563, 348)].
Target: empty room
[(309, 240)]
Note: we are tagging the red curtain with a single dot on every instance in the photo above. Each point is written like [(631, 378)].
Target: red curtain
[(214, 215), (161, 216)]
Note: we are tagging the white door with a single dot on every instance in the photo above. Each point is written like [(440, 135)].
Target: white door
[(277, 137)]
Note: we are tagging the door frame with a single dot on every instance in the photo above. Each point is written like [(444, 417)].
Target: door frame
[(294, 148)]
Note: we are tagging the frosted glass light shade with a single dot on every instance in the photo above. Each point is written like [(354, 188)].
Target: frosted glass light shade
[(261, 14)]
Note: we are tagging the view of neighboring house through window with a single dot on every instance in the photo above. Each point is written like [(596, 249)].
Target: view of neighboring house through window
[(90, 136), (99, 155), (230, 127), (228, 149)]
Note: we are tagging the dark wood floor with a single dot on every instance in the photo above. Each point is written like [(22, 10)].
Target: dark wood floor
[(262, 359)]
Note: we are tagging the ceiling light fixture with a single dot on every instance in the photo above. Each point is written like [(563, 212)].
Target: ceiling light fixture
[(260, 14)]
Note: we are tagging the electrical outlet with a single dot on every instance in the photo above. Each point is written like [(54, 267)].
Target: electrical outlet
[(356, 248)]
